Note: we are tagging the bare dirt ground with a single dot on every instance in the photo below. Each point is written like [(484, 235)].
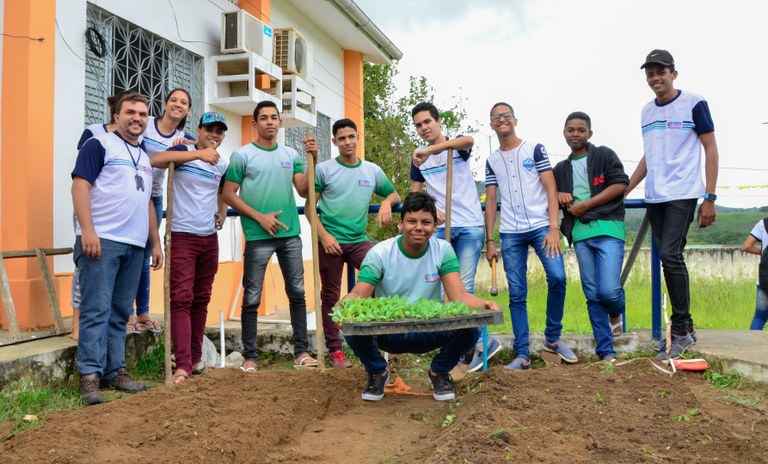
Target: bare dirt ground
[(574, 414)]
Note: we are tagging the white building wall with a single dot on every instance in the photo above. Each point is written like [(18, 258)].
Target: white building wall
[(199, 23)]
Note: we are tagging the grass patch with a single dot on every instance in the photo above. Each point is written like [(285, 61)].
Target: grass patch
[(21, 398), (151, 366), (715, 304), (728, 380)]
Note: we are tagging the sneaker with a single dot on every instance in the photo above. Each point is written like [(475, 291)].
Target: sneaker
[(89, 389), (375, 389), (679, 345), (519, 364), (692, 333), (442, 386), (338, 360), (124, 383), (561, 349), (477, 360), (661, 345)]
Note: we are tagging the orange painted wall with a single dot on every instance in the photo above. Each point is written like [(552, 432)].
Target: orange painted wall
[(26, 166), (353, 94)]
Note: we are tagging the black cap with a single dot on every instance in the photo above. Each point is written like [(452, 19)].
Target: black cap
[(661, 57)]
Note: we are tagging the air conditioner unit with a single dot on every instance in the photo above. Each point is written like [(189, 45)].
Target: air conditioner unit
[(238, 82), (292, 52), (241, 33)]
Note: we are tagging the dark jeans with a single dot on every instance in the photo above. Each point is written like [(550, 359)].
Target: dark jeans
[(142, 294), (331, 268), (108, 285), (452, 344), (669, 225), (194, 262), (257, 255)]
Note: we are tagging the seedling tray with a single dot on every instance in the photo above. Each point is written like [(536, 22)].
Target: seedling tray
[(476, 319)]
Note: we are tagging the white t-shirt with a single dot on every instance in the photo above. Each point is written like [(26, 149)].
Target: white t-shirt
[(465, 202), (516, 173), (195, 193), (157, 142), (672, 148), (121, 179), (761, 235)]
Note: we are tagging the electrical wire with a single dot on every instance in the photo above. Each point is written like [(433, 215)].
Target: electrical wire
[(58, 29)]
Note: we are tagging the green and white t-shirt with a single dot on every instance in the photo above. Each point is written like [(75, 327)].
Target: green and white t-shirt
[(265, 176), (395, 273), (582, 192), (346, 192)]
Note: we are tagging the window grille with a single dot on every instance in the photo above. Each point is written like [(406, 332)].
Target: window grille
[(138, 60), (294, 137)]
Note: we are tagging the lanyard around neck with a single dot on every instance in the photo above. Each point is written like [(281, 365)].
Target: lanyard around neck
[(135, 161)]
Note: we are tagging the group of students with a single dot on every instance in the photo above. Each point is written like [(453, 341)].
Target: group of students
[(116, 212)]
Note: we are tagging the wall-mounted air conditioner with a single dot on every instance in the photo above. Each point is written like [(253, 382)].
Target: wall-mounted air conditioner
[(292, 52), (241, 33)]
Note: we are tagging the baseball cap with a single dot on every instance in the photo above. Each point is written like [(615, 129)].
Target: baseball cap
[(212, 117), (661, 57)]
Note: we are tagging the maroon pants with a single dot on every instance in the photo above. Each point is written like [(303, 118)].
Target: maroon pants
[(194, 262), (331, 268)]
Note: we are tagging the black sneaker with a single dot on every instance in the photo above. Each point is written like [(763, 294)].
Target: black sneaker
[(89, 389), (124, 383), (442, 386), (375, 389)]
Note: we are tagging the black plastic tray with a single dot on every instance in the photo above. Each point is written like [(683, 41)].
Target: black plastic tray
[(477, 319)]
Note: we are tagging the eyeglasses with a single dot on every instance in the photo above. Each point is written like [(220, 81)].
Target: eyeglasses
[(506, 115)]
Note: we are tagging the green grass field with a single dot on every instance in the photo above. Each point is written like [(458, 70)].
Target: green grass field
[(715, 304)]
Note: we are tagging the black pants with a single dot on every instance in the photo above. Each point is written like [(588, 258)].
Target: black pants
[(669, 225)]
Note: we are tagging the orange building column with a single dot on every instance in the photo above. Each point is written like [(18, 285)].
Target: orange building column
[(353, 94), (26, 164)]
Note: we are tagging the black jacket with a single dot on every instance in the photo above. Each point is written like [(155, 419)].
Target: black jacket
[(603, 169)]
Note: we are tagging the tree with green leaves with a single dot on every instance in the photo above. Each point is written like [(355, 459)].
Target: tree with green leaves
[(390, 137)]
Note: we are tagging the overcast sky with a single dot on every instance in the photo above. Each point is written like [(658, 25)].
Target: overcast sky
[(549, 58)]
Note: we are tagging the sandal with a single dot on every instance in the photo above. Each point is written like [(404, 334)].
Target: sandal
[(179, 377), (132, 328), (251, 368), (305, 361), (200, 368), (150, 325), (616, 329)]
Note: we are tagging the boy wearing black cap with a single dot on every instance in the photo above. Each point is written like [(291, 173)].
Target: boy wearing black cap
[(675, 126)]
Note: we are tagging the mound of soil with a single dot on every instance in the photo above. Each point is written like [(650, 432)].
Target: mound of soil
[(582, 413)]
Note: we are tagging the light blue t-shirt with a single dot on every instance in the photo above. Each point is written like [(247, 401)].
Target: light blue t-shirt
[(395, 273)]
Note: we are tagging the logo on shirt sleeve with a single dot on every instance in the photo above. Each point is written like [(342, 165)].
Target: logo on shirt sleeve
[(430, 277)]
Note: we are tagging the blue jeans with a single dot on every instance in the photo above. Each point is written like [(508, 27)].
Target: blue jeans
[(514, 253), (142, 294), (761, 310), (468, 244), (452, 344), (600, 260), (257, 255), (107, 286)]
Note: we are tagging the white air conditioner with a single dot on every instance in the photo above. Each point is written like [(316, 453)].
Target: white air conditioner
[(243, 33), (292, 52)]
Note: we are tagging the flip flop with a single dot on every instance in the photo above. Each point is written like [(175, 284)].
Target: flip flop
[(133, 328), (179, 377), (248, 370), (616, 329), (200, 368), (305, 361), (150, 325)]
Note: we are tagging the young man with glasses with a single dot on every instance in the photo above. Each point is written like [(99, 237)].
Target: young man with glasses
[(428, 167), (520, 174), (676, 125)]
